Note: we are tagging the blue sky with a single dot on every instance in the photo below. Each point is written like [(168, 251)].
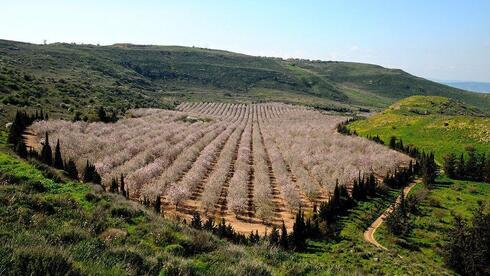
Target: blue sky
[(436, 39)]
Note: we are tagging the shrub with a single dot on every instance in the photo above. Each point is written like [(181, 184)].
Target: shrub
[(133, 263), (41, 261), (88, 250), (201, 241), (70, 236), (251, 268), (179, 266), (90, 197), (36, 186), (123, 212), (175, 249)]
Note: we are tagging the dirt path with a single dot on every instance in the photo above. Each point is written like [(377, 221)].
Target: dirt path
[(369, 233)]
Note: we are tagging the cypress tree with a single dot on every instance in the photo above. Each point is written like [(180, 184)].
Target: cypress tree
[(274, 237), (46, 152), (372, 184), (96, 176), (461, 167), (392, 142), (355, 190), (251, 237), (113, 187), (21, 149), (471, 168), (58, 161), (123, 188), (450, 165), (102, 115), (90, 174), (284, 237), (209, 224), (71, 169), (299, 233), (15, 130), (87, 173), (158, 205), (486, 170)]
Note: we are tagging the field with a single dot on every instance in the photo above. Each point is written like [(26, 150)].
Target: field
[(252, 164), (431, 123)]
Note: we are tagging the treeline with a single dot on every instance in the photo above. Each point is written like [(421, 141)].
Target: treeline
[(16, 130), (321, 224), (475, 168), (468, 249), (342, 127), (425, 161), (15, 138)]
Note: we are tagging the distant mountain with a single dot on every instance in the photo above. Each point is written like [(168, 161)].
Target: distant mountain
[(483, 87), (67, 78)]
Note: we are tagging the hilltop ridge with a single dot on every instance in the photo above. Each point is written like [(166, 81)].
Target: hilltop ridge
[(62, 76)]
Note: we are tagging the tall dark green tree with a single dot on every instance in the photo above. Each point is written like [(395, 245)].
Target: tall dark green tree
[(21, 149), (122, 188), (274, 237), (398, 221), (429, 168), (284, 237), (471, 170), (158, 205), (461, 167), (71, 169), (114, 185), (102, 114), (450, 165), (298, 236), (90, 174), (392, 143), (58, 161), (46, 152)]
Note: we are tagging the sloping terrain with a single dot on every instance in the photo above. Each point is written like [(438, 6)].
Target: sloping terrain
[(434, 124), (254, 165), (65, 78)]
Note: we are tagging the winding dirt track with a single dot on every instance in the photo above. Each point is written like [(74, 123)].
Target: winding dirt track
[(369, 233)]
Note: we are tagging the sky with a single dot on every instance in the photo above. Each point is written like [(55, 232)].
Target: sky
[(435, 39)]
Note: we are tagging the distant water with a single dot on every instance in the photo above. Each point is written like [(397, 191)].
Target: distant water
[(482, 87)]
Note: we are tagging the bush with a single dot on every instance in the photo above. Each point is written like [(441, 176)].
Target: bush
[(125, 213), (88, 250), (251, 268), (201, 241), (133, 263), (175, 249), (41, 261), (90, 197), (176, 266), (165, 236), (70, 236), (36, 186)]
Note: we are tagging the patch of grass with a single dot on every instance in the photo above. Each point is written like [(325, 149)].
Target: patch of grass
[(351, 252), (436, 132), (431, 225)]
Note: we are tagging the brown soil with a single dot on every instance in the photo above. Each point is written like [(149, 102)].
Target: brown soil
[(369, 233)]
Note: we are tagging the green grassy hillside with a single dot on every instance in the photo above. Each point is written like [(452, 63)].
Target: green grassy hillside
[(431, 123), (73, 228), (66, 77)]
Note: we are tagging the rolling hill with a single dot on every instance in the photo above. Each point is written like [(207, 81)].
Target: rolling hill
[(431, 123), (65, 78)]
